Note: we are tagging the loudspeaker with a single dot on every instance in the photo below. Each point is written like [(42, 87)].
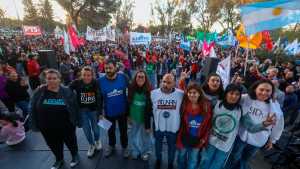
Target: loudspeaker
[(47, 59), (210, 66)]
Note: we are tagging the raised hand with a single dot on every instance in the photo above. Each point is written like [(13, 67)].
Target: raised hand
[(270, 120)]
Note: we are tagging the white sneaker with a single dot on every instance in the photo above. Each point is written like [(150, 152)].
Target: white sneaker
[(98, 145), (91, 151)]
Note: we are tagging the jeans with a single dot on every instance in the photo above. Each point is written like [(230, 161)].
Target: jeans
[(213, 158), (171, 141), (240, 155), (188, 158), (152, 79), (140, 140), (23, 105), (90, 126)]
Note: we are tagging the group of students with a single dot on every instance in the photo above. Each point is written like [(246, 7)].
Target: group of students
[(211, 128)]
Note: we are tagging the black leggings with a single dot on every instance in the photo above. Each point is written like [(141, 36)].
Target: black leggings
[(122, 121), (55, 139)]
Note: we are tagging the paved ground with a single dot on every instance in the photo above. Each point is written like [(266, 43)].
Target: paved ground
[(34, 154)]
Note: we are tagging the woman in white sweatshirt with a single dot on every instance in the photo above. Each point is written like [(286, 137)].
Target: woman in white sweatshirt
[(258, 108)]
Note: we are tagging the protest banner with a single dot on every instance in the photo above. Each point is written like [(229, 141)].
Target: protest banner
[(137, 38), (32, 30)]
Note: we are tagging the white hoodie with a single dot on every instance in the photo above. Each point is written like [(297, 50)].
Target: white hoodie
[(258, 112)]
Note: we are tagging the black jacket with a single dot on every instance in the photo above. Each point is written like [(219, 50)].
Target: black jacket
[(69, 98)]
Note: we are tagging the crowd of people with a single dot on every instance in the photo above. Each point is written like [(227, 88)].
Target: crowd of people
[(157, 91)]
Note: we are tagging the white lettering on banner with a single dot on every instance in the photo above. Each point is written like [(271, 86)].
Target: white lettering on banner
[(32, 30), (137, 38), (106, 33)]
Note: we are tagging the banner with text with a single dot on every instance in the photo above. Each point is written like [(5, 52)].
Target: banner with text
[(32, 30), (137, 38)]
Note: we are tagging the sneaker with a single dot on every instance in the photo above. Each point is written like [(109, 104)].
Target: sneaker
[(98, 145), (108, 152), (74, 161), (57, 164), (126, 153), (157, 164), (145, 157), (91, 151)]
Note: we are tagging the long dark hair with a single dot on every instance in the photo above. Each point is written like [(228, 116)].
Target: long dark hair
[(146, 88), (229, 88), (201, 100), (253, 87), (206, 89)]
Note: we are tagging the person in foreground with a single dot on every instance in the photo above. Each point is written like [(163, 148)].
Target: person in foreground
[(54, 112)]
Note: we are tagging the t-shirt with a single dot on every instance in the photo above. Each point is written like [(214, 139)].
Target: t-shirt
[(52, 111), (114, 95), (258, 112), (137, 108), (194, 123), (166, 110), (86, 94), (150, 68), (225, 125)]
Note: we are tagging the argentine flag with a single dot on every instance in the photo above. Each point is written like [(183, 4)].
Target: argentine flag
[(269, 15)]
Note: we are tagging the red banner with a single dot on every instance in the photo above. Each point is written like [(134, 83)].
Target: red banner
[(32, 30)]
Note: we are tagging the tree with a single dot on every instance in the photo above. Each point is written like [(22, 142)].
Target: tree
[(182, 22), (46, 15), (124, 15), (230, 17), (2, 16), (208, 13), (166, 11), (96, 13), (30, 13)]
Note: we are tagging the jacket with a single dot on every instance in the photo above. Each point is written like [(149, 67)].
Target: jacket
[(204, 130), (69, 98), (33, 68)]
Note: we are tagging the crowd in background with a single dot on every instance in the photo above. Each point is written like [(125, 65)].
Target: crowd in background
[(135, 85)]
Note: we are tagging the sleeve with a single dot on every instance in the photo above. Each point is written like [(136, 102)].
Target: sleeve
[(32, 110), (249, 125), (279, 126)]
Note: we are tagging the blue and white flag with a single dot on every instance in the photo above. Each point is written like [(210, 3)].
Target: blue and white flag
[(227, 40), (269, 15), (293, 48), (185, 45)]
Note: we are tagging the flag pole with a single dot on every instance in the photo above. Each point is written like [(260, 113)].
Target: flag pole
[(247, 56)]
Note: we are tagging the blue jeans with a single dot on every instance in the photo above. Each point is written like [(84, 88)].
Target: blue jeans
[(240, 155), (152, 79), (90, 126), (171, 141), (188, 158), (23, 105), (213, 158), (140, 140)]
